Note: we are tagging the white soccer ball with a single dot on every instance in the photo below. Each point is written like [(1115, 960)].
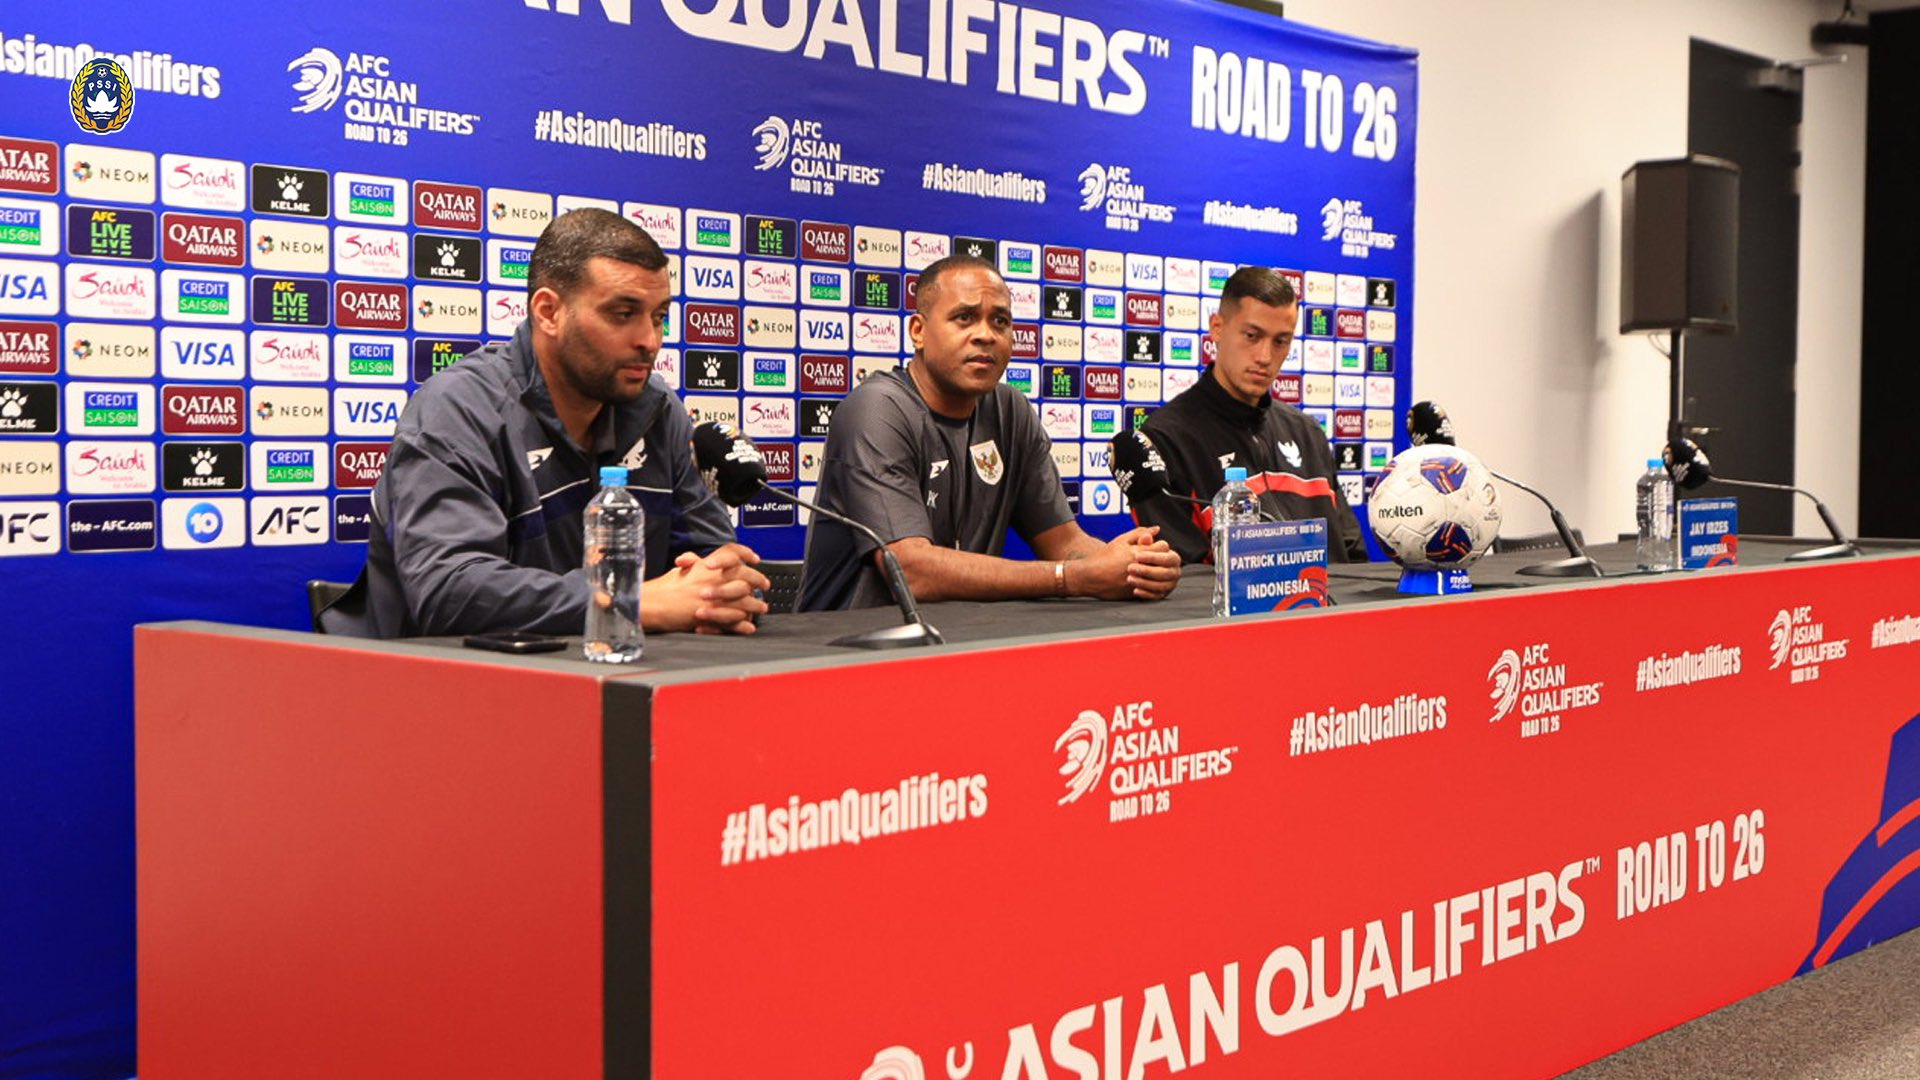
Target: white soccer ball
[(1435, 506)]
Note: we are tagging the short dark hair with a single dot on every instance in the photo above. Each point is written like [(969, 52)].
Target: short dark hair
[(565, 246), (930, 277), (1257, 283)]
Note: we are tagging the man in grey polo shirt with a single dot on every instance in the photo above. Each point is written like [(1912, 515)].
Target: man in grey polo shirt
[(940, 457), (477, 516)]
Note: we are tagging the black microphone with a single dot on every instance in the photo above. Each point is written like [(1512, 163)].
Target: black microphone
[(733, 467), (1429, 425), (1689, 466)]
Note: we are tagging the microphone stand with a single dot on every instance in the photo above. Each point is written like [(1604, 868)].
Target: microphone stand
[(915, 630), (1578, 563), (1841, 547)]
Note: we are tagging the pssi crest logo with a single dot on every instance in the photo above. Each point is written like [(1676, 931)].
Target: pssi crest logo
[(102, 96), (317, 80)]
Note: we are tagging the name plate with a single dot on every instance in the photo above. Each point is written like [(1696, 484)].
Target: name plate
[(1276, 566), (1709, 533)]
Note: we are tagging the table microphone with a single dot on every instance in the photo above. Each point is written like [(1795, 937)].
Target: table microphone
[(1687, 463), (734, 469), (1429, 424)]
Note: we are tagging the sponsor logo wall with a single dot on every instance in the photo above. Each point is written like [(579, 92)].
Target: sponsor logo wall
[(211, 316)]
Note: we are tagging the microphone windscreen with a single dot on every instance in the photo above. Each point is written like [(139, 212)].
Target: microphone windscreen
[(1687, 464), (1427, 422), (729, 461), (1137, 465)]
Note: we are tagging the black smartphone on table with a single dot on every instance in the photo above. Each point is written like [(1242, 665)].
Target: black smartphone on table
[(518, 642)]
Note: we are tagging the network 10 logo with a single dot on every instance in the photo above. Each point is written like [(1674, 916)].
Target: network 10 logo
[(204, 523)]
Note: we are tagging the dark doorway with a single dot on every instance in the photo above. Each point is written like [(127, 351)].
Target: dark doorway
[(1889, 377), (1739, 386)]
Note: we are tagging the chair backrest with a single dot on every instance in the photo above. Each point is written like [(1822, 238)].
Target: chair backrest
[(783, 584), (321, 595)]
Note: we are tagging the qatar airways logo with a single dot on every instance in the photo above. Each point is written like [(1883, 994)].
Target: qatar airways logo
[(712, 324), (1143, 309)]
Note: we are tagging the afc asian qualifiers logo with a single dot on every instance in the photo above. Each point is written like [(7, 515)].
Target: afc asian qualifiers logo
[(317, 80), (1503, 682), (771, 137), (1085, 743), (1530, 679), (1140, 759), (102, 97)]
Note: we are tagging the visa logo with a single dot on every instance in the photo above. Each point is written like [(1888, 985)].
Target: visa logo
[(23, 287), (826, 330), (372, 412), (204, 353), (713, 277)]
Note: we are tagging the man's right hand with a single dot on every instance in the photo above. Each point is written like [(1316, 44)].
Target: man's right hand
[(711, 594), (1133, 565)]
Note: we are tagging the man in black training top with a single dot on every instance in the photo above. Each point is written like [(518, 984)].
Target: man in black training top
[(477, 517), (1229, 418), (940, 457)]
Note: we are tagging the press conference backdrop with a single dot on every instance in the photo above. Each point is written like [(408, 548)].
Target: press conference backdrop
[(211, 318)]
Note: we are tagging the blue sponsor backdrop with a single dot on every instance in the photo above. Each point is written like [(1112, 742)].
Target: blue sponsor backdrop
[(324, 204)]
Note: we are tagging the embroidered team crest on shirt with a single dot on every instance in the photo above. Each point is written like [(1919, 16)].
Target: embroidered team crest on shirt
[(1291, 451), (987, 462)]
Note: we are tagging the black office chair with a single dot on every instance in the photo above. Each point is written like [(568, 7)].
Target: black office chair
[(324, 594), (1546, 541), (783, 584)]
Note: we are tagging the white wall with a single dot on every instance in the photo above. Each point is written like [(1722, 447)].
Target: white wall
[(1528, 115)]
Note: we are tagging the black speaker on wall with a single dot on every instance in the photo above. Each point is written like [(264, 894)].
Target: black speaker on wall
[(1680, 245)]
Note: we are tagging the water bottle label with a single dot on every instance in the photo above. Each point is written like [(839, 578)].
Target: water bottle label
[(1275, 566), (1709, 533)]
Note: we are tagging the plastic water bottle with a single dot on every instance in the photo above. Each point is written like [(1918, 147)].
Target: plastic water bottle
[(1233, 504), (1653, 506), (615, 560)]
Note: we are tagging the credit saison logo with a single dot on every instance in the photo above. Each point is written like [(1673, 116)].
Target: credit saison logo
[(372, 199), (716, 232), (826, 286), (1061, 60), (368, 359), (211, 296)]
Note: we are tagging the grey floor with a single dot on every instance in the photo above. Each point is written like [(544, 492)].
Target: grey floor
[(1855, 1019)]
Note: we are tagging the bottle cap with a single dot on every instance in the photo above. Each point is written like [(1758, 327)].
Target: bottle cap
[(1236, 473), (613, 476), (1653, 463)]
